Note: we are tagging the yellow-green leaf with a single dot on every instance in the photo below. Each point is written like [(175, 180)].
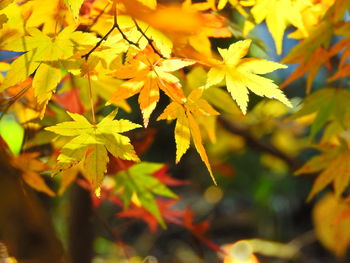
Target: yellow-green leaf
[(91, 142)]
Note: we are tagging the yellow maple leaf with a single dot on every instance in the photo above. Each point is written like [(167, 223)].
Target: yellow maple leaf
[(186, 114), (46, 48), (12, 23), (241, 75), (312, 12), (45, 55), (49, 17), (91, 142), (38, 47), (147, 74), (278, 14)]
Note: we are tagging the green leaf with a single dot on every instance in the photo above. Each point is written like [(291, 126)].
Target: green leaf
[(138, 180)]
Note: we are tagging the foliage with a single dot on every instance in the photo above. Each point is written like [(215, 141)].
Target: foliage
[(73, 64)]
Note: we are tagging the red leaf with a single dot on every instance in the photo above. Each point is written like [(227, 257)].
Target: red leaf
[(116, 165), (169, 214), (70, 101), (165, 178)]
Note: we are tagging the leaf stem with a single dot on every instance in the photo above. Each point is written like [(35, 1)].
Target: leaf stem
[(91, 100)]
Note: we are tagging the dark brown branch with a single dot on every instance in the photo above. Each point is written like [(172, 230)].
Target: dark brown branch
[(258, 145), (115, 25), (150, 41), (86, 56)]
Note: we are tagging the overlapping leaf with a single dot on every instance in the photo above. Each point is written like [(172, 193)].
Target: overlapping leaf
[(91, 143), (278, 14), (147, 74), (138, 180), (186, 115)]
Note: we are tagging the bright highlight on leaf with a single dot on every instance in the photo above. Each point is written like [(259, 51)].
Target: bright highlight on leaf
[(91, 143), (240, 75)]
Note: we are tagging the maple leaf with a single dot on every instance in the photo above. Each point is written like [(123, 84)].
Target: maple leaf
[(183, 218), (45, 48), (44, 56), (138, 180), (48, 17), (30, 168), (40, 48), (312, 49), (241, 75), (312, 12), (14, 26), (147, 74), (169, 214), (20, 69), (91, 142), (334, 164), (186, 115), (278, 14), (310, 66), (342, 47), (215, 95)]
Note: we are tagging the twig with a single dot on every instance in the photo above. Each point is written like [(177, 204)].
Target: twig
[(115, 25), (90, 96), (150, 41)]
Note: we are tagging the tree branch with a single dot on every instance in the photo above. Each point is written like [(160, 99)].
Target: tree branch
[(258, 145)]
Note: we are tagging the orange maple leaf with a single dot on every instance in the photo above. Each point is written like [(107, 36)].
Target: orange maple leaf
[(148, 73), (30, 167)]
